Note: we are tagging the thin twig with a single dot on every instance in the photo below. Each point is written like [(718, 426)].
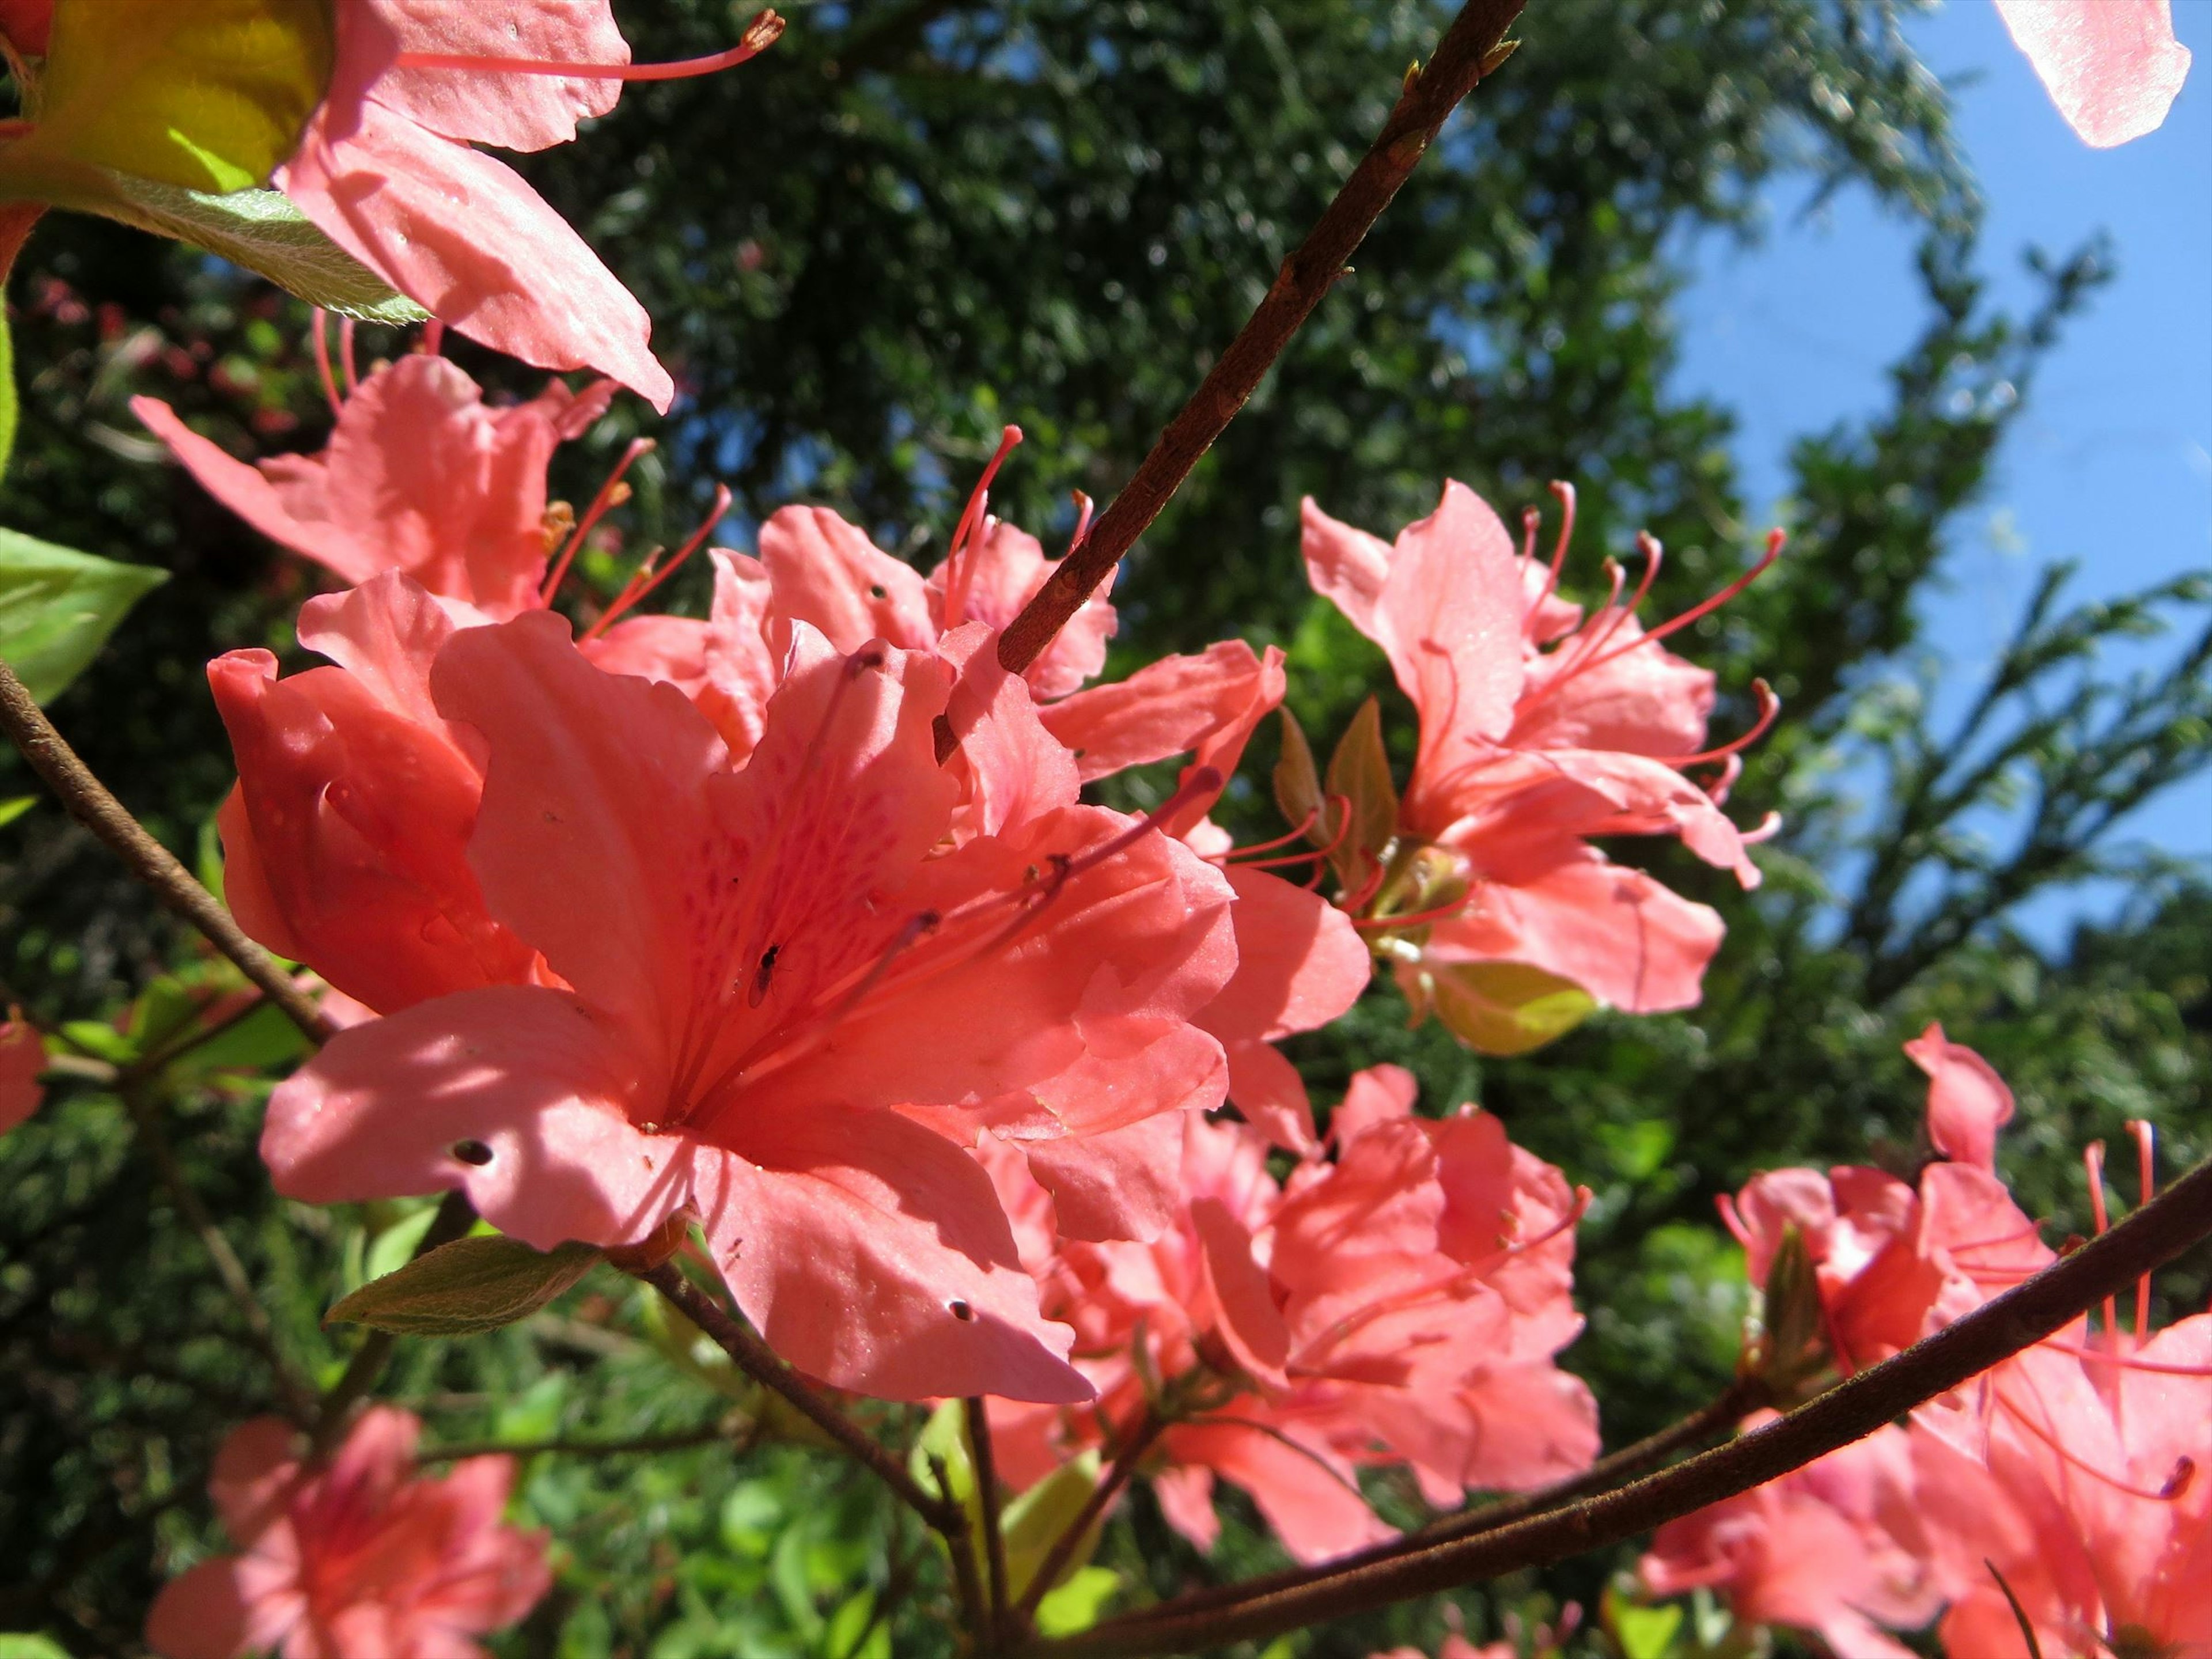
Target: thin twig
[(2154, 1235), (758, 1361), (1468, 50), (1149, 1429), (456, 1215), (297, 1393), (986, 1497), (91, 805), (1715, 1417), (705, 1435)]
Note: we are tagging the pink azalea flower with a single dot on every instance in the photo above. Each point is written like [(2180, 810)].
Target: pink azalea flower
[(420, 475), (2112, 66), (1836, 1547), (1400, 1305), (775, 1003), (361, 1559), (1893, 1262), (1538, 731), (22, 1058), (346, 841)]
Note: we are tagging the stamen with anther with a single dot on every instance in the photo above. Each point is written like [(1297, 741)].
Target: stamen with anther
[(613, 493), (647, 576), (765, 29), (969, 534)]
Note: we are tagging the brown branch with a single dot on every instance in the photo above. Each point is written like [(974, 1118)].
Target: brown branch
[(91, 805), (2157, 1232), (1715, 1417), (1149, 1428), (1468, 50), (456, 1215), (986, 1501), (758, 1361)]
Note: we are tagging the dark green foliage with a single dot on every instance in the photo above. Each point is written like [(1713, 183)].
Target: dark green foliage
[(914, 221)]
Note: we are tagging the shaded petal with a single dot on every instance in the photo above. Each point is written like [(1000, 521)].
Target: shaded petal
[(1306, 1492), (515, 112), (741, 670), (22, 1057), (828, 573), (1004, 571), (1168, 707), (1377, 1094), (462, 235), (202, 1614), (1017, 770), (1268, 1090), (535, 1078), (671, 649), (2112, 66), (1300, 963), (286, 499), (872, 1254)]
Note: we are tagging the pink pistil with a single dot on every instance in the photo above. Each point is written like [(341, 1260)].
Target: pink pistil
[(973, 525)]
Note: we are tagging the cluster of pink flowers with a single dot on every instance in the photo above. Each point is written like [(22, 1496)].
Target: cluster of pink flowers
[(353, 1558), (2053, 1504)]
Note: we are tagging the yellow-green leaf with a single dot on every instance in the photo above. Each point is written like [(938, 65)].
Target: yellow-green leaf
[(57, 607), (204, 94), (1360, 771), (468, 1286), (1504, 1007), (1034, 1521)]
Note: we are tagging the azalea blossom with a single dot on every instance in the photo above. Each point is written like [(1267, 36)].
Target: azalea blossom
[(2112, 66), (360, 1558), (759, 1007), (1836, 1547), (1893, 1262), (1540, 730), (1401, 1304), (22, 1058)]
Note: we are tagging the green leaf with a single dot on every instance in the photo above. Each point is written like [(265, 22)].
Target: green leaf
[(206, 94), (1033, 1522), (394, 1248), (59, 606), (1645, 1633), (11, 409), (31, 1647), (100, 1040), (15, 807), (1504, 1007), (464, 1288), (263, 232), (1076, 1605), (1359, 770)]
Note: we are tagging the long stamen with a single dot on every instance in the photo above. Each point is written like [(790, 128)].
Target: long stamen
[(1566, 493), (2164, 1495), (1083, 506), (1769, 707), (1566, 1223), (973, 528), (345, 355), (760, 34), (1775, 541), (1305, 824), (320, 333), (2093, 1160), (645, 579), (613, 493), (2126, 1362)]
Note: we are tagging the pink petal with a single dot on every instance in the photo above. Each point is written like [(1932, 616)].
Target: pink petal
[(1616, 932), (828, 573), (596, 833), (1185, 1492), (1378, 1095), (253, 1473), (515, 112), (2112, 66), (534, 1077), (671, 649), (872, 1254), (741, 671), (286, 499), (1967, 1101), (466, 237), (1306, 1492), (1268, 1090), (1118, 1183), (1643, 702), (1168, 707), (201, 1615), (1017, 770), (1300, 963), (1249, 1322), (1004, 572)]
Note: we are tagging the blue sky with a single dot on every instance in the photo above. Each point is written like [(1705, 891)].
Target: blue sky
[(2112, 463)]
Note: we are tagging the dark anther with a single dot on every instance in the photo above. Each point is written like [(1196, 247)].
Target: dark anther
[(472, 1152), (761, 979), (960, 1310)]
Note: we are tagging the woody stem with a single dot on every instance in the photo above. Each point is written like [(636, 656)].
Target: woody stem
[(758, 1361), (2040, 1306), (1468, 50), (987, 1497), (1148, 1429), (91, 805)]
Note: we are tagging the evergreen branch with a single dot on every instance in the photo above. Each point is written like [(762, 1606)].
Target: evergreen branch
[(2155, 1234), (1469, 49)]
